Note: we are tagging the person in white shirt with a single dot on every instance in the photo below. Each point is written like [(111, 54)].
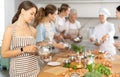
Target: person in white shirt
[(72, 26), (104, 32), (117, 44), (63, 12)]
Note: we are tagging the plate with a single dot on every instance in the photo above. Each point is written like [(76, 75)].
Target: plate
[(53, 63)]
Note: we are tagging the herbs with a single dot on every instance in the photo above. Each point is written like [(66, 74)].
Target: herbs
[(70, 66), (76, 48), (90, 67), (103, 70), (93, 74), (99, 68)]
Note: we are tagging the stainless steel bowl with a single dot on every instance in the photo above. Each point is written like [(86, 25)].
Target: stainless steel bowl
[(66, 61), (72, 58)]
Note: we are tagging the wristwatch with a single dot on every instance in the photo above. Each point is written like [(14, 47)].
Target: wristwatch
[(21, 50)]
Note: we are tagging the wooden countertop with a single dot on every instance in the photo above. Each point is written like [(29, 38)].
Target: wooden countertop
[(115, 66)]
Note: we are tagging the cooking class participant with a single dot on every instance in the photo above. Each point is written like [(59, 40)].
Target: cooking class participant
[(117, 44), (72, 26), (104, 32), (45, 26), (63, 12), (19, 42)]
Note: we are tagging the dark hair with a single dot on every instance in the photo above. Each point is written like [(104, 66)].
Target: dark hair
[(43, 12), (26, 5), (63, 7), (118, 8)]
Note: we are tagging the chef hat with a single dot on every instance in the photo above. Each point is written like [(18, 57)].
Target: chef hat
[(104, 11)]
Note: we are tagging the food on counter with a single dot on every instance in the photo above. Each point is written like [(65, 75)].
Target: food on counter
[(100, 56), (73, 65), (77, 49), (93, 74), (77, 39), (103, 69)]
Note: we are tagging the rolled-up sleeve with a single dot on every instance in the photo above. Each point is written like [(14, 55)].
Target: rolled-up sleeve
[(40, 33)]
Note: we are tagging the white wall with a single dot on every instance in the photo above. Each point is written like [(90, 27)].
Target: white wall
[(9, 11), (2, 22), (6, 14), (85, 8)]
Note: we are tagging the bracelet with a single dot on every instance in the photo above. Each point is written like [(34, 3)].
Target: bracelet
[(21, 50)]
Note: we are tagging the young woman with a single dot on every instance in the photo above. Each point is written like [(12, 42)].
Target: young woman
[(63, 12), (118, 12), (72, 26), (45, 26), (117, 44), (19, 42)]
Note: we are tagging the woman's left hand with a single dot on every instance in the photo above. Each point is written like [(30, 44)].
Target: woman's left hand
[(105, 37), (117, 44)]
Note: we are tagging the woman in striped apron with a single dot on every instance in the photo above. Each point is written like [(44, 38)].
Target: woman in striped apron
[(19, 43)]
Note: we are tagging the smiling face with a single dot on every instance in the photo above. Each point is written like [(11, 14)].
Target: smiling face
[(67, 12), (74, 16), (28, 15), (52, 17), (118, 14), (102, 18)]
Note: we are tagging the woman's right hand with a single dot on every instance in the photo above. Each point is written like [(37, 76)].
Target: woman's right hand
[(30, 49), (91, 39), (58, 45)]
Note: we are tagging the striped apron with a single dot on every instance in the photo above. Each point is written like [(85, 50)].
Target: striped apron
[(26, 64)]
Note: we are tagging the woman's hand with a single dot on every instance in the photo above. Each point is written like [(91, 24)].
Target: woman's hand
[(30, 49), (105, 37), (42, 44), (58, 45), (117, 44), (91, 39)]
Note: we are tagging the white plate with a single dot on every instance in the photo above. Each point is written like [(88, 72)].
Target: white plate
[(53, 63)]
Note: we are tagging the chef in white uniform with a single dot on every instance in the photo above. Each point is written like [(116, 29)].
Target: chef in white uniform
[(104, 33)]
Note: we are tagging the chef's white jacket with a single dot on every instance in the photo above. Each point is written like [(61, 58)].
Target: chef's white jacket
[(101, 30)]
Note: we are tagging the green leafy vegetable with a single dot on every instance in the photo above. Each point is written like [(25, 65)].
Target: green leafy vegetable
[(70, 66), (93, 74), (103, 69), (76, 48)]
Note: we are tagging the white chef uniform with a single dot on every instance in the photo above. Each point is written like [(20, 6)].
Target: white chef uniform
[(103, 29)]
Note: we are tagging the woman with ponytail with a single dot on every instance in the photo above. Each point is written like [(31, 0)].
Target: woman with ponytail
[(45, 26), (19, 42), (63, 12)]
